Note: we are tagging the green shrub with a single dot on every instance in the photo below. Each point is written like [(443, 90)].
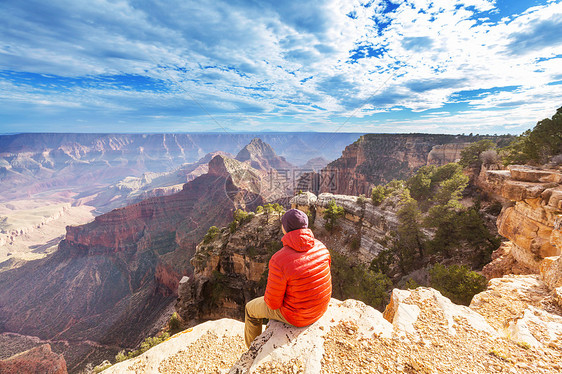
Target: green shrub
[(356, 281), (121, 356), (470, 156), (456, 227), (378, 194), (100, 368), (211, 234), (382, 262), (411, 284), (145, 346), (355, 243), (420, 183), (361, 200), (536, 145), (410, 240), (458, 283), (331, 215), (174, 324)]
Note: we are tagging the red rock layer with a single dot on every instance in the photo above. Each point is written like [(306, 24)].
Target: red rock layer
[(37, 360)]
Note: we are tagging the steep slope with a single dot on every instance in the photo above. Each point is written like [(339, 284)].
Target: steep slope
[(36, 360), (111, 279), (515, 325)]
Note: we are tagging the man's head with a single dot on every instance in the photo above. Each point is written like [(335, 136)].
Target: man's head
[(294, 219)]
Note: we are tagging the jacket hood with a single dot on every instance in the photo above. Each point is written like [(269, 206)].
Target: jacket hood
[(300, 240)]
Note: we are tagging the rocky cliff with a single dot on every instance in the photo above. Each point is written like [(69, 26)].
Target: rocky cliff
[(363, 231), (231, 269), (531, 217), (131, 189), (111, 279), (40, 359), (36, 163), (379, 158)]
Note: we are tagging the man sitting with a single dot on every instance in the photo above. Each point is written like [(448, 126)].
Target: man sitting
[(299, 283)]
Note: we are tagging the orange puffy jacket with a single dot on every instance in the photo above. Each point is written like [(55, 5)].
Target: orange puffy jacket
[(299, 282)]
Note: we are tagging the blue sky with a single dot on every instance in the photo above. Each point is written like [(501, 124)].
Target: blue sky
[(441, 66)]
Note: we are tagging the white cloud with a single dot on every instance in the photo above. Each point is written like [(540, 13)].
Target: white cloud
[(290, 58)]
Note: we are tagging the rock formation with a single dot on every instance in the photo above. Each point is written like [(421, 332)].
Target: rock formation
[(515, 325), (131, 190), (315, 164), (532, 216), (420, 332), (231, 269), (364, 224), (36, 163), (379, 158)]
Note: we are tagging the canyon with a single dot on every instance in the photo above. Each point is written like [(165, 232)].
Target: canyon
[(112, 279), (91, 174)]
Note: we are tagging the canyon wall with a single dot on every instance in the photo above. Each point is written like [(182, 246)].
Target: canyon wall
[(379, 158), (39, 162)]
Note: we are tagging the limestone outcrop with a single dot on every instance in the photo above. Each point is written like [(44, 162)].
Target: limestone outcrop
[(420, 332), (364, 224), (229, 270), (532, 216)]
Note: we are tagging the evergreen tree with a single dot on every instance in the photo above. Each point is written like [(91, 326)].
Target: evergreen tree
[(331, 214)]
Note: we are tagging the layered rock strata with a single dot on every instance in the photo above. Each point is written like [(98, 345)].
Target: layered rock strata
[(364, 224), (231, 269), (36, 360), (532, 216)]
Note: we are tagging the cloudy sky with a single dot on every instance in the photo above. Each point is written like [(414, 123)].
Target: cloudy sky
[(442, 66)]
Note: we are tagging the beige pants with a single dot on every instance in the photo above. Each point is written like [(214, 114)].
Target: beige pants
[(256, 310)]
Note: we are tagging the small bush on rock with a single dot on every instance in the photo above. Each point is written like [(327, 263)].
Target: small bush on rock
[(331, 215)]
